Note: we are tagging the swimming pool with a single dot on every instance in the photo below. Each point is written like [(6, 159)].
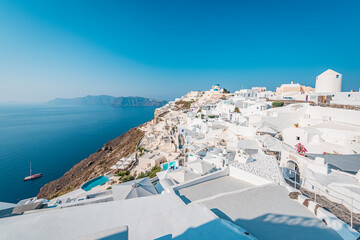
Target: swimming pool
[(94, 182), (173, 165)]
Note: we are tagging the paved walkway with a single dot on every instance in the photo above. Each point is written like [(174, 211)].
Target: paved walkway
[(268, 213), (211, 188)]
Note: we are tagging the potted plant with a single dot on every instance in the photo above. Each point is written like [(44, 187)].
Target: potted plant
[(296, 125), (237, 110), (300, 149)]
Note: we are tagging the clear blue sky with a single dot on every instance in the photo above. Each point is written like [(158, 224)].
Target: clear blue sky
[(163, 49)]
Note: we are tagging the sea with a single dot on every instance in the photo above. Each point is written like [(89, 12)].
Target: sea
[(54, 138)]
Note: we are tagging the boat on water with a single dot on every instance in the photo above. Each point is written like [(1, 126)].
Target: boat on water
[(33, 176)]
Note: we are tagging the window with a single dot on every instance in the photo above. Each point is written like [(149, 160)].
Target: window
[(337, 76), (298, 138)]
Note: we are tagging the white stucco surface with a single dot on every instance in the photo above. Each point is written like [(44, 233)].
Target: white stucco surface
[(268, 213), (160, 216), (211, 188), (5, 205)]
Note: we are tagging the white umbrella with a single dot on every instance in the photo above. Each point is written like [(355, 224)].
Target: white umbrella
[(122, 166), (128, 161), (267, 129), (182, 174), (133, 189), (272, 143), (200, 166)]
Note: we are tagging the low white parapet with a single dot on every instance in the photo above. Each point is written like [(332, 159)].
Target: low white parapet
[(301, 199), (207, 177), (247, 177), (319, 166), (336, 224), (320, 161), (357, 176)]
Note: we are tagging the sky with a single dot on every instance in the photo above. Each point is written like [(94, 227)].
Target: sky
[(163, 49)]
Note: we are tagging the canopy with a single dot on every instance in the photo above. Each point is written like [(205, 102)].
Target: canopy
[(133, 189), (272, 143), (200, 166), (267, 128), (182, 174)]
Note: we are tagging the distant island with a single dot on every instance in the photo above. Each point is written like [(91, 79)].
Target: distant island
[(110, 101)]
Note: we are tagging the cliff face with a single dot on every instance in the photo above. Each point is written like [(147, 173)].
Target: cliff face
[(137, 101), (95, 165), (110, 101)]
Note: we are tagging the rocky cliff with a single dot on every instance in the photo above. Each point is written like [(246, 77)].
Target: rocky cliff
[(110, 101), (95, 165)]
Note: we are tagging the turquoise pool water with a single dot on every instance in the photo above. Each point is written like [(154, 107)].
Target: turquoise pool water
[(94, 182), (165, 166)]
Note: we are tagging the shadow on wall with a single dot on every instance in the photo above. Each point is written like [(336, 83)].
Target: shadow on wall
[(215, 229), (116, 236), (276, 226), (267, 227), (183, 198)]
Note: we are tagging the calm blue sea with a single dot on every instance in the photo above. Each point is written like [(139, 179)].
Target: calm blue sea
[(54, 138)]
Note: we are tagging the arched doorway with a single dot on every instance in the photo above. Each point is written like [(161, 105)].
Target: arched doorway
[(293, 173)]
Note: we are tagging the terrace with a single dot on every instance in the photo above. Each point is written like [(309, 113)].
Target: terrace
[(264, 209), (211, 188)]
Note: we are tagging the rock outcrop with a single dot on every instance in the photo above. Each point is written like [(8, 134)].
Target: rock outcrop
[(110, 101), (95, 165)]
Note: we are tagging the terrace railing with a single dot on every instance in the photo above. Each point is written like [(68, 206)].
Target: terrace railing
[(340, 204)]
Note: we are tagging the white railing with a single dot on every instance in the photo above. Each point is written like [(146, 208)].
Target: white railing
[(319, 189)]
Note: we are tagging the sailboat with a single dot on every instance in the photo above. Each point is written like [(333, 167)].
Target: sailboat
[(33, 176)]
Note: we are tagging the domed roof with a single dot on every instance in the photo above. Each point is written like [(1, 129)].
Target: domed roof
[(329, 72)]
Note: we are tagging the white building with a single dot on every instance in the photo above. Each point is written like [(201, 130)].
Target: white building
[(246, 93), (328, 81)]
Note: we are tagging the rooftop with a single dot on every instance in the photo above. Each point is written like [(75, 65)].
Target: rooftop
[(268, 213), (211, 188), (160, 216)]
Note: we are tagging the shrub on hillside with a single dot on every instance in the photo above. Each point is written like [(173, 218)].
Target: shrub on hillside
[(277, 104), (127, 178)]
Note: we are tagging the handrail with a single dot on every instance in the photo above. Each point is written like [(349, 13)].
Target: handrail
[(317, 191), (319, 184)]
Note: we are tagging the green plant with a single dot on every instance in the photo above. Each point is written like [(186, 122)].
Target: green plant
[(141, 150), (277, 104), (142, 175), (237, 110), (184, 104), (154, 170), (226, 91), (127, 178), (108, 188), (202, 116), (123, 173)]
